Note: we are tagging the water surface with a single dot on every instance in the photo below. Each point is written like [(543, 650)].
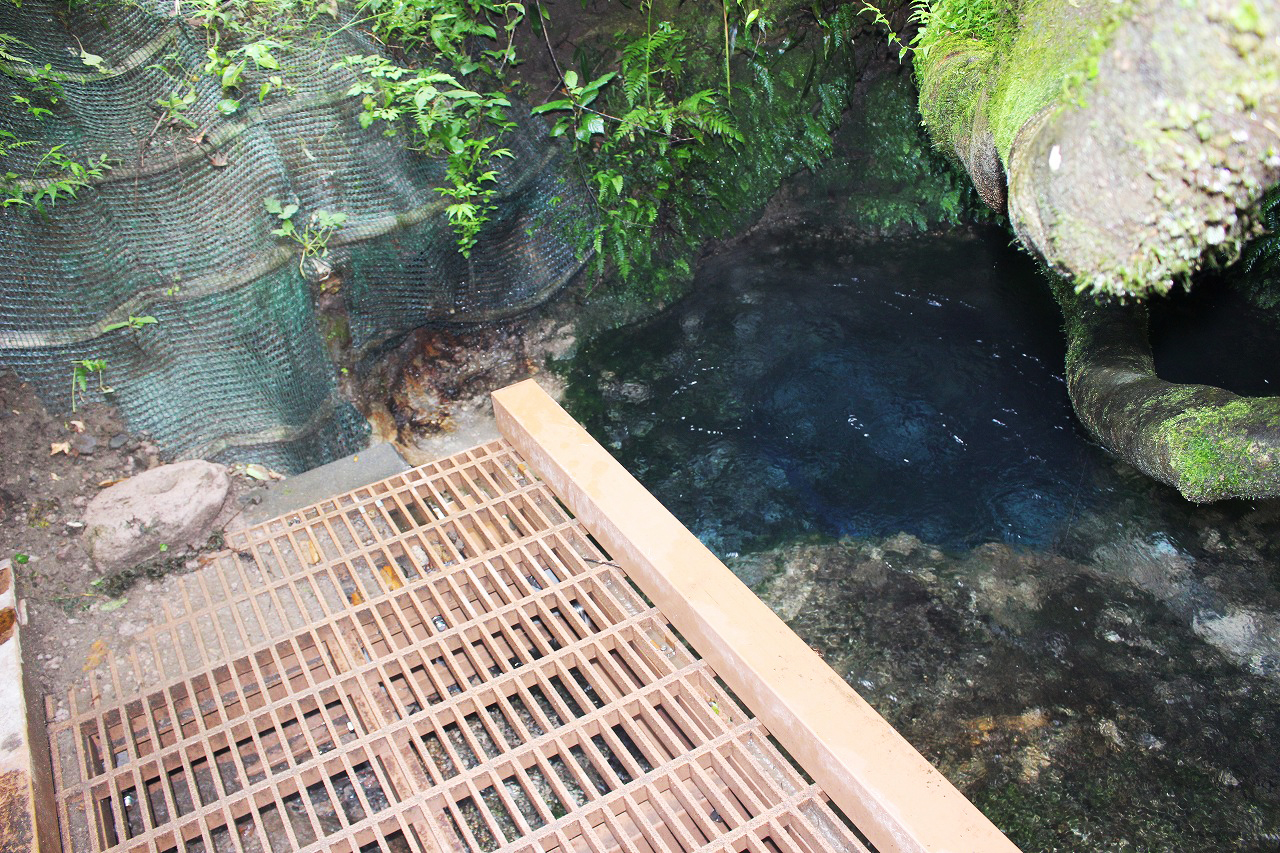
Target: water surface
[(902, 386), (877, 437)]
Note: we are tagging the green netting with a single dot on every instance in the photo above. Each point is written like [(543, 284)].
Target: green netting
[(235, 368)]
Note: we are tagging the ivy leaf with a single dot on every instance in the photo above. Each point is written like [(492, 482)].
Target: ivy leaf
[(260, 53), (231, 76), (227, 106)]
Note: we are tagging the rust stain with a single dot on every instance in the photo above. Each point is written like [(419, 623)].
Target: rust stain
[(390, 578), (97, 654), (7, 619), (16, 829)]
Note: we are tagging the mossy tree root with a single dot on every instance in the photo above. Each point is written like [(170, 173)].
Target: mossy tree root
[(1206, 442), (1135, 135)]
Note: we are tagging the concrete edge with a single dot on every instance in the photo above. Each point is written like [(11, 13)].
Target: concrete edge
[(28, 819)]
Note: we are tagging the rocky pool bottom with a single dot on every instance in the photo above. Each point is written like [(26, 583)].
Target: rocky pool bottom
[(1118, 700), (877, 439)]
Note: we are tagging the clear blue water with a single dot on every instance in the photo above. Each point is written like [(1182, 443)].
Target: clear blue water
[(905, 386), (1092, 659)]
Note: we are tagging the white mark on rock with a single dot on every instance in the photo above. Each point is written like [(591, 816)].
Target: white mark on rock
[(1055, 158)]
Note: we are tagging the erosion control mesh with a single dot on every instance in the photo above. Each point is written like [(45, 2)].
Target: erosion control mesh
[(236, 367)]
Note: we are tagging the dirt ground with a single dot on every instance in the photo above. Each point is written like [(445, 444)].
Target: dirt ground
[(429, 397), (52, 467)]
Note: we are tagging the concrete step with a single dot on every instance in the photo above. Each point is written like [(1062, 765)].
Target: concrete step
[(370, 465)]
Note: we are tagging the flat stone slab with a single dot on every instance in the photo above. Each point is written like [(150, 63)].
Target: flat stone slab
[(311, 487)]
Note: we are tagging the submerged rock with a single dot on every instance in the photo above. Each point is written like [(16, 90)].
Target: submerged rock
[(1044, 686)]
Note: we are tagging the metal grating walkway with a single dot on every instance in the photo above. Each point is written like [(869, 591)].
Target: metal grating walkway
[(441, 661), (448, 660)]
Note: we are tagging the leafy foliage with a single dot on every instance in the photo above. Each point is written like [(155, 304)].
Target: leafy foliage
[(133, 323), (1260, 260), (81, 371), (313, 237), (446, 118), (988, 21), (55, 173), (638, 133), (647, 113), (54, 176)]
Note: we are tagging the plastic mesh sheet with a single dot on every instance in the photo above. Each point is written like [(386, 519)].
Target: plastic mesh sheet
[(236, 368)]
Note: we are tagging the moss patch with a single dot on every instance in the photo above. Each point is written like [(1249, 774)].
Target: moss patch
[(1213, 451)]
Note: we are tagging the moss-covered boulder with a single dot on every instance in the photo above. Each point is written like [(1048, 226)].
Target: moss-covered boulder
[(1132, 137), (1129, 141)]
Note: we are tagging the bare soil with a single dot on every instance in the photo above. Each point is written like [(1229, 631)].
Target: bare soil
[(53, 466)]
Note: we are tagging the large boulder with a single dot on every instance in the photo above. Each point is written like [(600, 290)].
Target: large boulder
[(169, 506)]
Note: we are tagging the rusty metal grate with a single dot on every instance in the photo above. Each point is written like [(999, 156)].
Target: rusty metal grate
[(444, 661)]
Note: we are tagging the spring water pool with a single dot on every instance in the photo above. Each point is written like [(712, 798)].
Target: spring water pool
[(877, 437)]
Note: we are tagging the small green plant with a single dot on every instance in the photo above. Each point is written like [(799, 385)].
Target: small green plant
[(877, 16), (173, 107), (133, 323), (81, 371), (752, 17), (21, 559), (38, 91), (55, 175), (312, 237)]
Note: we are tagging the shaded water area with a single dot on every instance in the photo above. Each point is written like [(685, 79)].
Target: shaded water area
[(877, 438)]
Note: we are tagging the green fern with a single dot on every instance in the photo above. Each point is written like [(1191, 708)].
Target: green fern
[(1260, 260)]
